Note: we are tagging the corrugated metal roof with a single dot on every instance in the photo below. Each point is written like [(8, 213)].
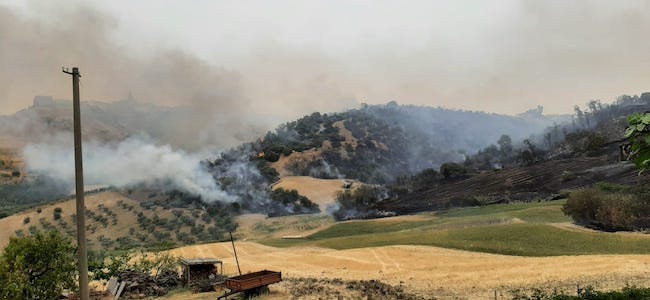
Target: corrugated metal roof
[(200, 261)]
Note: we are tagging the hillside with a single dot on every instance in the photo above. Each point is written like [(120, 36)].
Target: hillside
[(539, 182), (402, 148), (377, 143), (564, 157), (124, 221), (11, 166)]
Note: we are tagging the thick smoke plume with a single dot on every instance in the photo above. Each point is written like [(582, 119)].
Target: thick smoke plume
[(210, 110), (129, 163)]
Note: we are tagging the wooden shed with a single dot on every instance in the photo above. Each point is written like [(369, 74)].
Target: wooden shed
[(202, 274)]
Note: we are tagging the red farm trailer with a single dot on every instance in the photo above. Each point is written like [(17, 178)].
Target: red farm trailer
[(251, 283)]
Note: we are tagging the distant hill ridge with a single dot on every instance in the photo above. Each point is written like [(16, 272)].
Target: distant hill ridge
[(376, 143)]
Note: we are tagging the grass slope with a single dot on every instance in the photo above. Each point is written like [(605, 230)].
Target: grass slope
[(515, 229)]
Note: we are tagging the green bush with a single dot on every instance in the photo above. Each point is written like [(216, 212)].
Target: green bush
[(360, 202), (453, 170), (608, 208)]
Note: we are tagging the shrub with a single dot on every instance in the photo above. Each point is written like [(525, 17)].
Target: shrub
[(427, 176), (567, 176), (57, 216), (585, 141), (33, 230), (608, 210), (360, 202), (26, 220), (287, 202), (58, 210), (453, 170)]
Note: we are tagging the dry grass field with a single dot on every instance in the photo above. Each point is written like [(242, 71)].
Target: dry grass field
[(443, 273), (439, 272), (258, 226)]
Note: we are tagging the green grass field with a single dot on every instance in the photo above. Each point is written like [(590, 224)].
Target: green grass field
[(514, 229)]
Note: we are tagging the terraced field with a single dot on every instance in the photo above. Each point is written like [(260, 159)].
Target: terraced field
[(539, 181)]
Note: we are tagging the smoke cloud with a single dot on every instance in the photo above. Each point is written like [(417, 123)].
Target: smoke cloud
[(129, 163), (239, 68), (34, 48), (243, 58)]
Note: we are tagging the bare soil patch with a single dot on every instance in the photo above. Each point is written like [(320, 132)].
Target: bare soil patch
[(284, 161), (320, 191)]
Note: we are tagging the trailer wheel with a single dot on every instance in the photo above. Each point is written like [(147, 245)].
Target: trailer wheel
[(256, 291), (264, 289)]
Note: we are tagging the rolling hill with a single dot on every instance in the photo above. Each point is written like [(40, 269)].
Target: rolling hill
[(317, 155), (123, 220)]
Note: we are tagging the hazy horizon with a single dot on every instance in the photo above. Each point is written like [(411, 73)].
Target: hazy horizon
[(289, 58)]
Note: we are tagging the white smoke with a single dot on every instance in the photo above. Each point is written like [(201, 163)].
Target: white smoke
[(128, 163)]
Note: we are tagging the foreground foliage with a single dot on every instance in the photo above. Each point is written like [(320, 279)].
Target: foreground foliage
[(587, 293), (638, 133), (37, 267)]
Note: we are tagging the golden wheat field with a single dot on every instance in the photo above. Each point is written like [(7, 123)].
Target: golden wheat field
[(443, 273)]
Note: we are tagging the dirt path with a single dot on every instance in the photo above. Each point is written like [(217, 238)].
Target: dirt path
[(443, 273)]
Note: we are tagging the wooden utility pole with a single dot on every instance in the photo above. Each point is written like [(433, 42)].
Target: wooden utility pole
[(82, 254), (235, 251)]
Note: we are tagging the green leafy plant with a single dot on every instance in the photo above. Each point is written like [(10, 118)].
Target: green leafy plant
[(37, 267), (638, 133)]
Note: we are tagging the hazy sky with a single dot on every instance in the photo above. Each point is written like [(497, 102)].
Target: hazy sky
[(287, 58)]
